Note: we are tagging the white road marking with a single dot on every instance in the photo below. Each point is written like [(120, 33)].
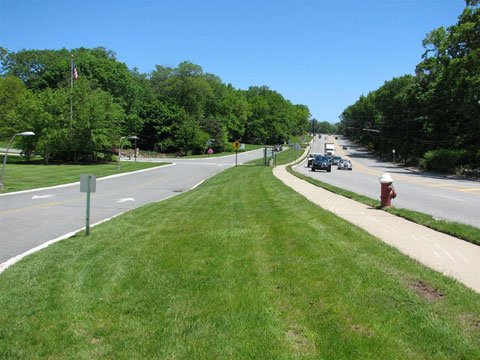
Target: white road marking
[(125, 199), (200, 183), (15, 259), (42, 196), (450, 198)]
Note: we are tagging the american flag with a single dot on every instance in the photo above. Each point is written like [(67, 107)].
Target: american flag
[(75, 73)]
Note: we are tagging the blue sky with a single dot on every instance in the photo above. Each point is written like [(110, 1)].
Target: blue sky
[(321, 53)]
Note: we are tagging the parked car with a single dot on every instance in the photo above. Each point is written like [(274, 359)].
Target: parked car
[(336, 160), (310, 158), (278, 148), (321, 163), (344, 147), (344, 165)]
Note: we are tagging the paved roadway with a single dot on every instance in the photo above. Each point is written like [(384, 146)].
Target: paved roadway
[(441, 196), (29, 219)]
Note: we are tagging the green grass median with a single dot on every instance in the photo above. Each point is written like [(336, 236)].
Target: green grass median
[(240, 267), (23, 176)]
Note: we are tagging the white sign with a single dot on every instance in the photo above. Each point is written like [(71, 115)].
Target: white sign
[(85, 181)]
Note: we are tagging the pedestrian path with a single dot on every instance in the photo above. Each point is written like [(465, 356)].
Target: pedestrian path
[(449, 255)]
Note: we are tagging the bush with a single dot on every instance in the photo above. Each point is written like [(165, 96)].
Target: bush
[(447, 160)]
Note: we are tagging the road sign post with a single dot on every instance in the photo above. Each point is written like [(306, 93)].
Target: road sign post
[(88, 184), (236, 145)]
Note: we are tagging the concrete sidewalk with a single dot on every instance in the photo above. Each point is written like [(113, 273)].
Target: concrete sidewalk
[(444, 253)]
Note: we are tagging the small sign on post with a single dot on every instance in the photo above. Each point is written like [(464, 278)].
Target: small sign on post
[(236, 145), (88, 184)]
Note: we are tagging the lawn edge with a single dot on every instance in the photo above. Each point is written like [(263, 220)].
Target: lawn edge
[(78, 182)]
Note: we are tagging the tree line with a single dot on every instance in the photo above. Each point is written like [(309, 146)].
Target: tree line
[(170, 109), (432, 117)]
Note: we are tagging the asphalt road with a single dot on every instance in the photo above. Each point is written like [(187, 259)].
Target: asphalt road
[(444, 197), (29, 219)]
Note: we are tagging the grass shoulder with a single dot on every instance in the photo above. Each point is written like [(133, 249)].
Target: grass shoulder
[(462, 231), (20, 175)]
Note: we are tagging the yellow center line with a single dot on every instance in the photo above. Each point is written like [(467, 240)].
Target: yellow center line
[(39, 206)]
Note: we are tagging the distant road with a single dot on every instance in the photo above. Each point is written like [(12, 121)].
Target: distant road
[(10, 151), (441, 196), (28, 219)]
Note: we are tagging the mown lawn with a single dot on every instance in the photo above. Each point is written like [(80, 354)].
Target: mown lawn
[(22, 176), (239, 268)]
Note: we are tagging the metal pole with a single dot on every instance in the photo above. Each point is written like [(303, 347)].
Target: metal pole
[(5, 162), (135, 149), (120, 152), (236, 156), (87, 219), (71, 94)]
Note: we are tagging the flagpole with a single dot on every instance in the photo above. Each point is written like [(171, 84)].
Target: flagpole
[(71, 93)]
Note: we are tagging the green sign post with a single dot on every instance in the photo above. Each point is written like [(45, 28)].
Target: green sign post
[(88, 184)]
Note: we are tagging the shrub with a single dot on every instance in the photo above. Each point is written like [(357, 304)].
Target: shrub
[(447, 160)]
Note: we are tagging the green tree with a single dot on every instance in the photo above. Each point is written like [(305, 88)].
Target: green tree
[(12, 97), (189, 136)]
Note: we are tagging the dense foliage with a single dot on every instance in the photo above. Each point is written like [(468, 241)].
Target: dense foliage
[(435, 110), (323, 127), (171, 109)]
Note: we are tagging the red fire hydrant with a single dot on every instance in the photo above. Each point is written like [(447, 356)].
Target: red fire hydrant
[(387, 190)]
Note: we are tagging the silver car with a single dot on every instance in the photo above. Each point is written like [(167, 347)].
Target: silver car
[(344, 165)]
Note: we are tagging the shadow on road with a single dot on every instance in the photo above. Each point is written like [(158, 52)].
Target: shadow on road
[(359, 152)]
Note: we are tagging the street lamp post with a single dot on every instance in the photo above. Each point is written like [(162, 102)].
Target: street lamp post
[(25, 133), (133, 137)]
